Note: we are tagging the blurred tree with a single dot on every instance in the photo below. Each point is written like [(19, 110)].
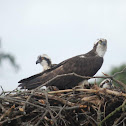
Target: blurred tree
[(121, 76), (6, 56)]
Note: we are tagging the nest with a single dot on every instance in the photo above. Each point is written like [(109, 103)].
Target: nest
[(72, 107)]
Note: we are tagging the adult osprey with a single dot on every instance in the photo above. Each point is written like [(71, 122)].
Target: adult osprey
[(85, 65)]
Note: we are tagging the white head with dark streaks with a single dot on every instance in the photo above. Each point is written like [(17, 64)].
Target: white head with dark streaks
[(45, 61), (100, 47), (107, 83)]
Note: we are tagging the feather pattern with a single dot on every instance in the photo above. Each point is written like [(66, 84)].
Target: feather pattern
[(86, 66)]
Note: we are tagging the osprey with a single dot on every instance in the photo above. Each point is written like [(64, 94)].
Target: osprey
[(85, 65), (45, 61), (107, 83)]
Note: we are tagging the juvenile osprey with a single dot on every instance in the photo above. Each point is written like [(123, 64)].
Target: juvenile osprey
[(107, 83), (45, 61), (85, 65)]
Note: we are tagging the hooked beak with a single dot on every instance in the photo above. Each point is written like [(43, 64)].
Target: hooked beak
[(110, 83), (104, 43), (38, 61)]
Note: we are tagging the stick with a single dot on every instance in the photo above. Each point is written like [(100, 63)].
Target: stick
[(100, 90), (18, 101), (28, 100), (69, 74), (7, 112), (57, 99), (112, 113)]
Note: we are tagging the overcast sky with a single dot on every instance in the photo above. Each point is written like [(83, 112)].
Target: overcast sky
[(61, 29)]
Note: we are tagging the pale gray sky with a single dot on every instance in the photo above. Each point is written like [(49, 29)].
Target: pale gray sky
[(61, 29)]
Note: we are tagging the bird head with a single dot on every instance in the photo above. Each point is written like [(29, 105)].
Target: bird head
[(107, 83), (45, 61), (100, 46)]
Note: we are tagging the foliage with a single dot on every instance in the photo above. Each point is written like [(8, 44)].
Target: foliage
[(10, 57), (121, 76)]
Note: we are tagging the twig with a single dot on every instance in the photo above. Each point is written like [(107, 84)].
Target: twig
[(18, 101), (99, 114), (105, 111), (2, 90), (112, 113), (74, 107), (57, 99), (17, 117), (7, 112), (69, 74), (117, 121), (34, 118), (59, 114), (122, 122), (90, 118), (122, 71), (117, 81), (28, 100), (2, 107), (100, 91), (48, 108), (120, 83), (42, 118)]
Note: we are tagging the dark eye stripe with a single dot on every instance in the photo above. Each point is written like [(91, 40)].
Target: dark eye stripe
[(100, 41), (48, 61)]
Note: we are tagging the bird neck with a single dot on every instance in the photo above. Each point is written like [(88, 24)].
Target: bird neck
[(45, 65), (100, 51)]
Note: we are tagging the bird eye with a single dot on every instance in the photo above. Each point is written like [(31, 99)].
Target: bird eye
[(100, 41), (42, 58)]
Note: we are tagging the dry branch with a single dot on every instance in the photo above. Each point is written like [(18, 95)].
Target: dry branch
[(100, 91), (71, 107), (112, 113)]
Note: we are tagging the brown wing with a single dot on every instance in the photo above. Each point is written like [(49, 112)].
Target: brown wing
[(87, 66), (30, 78), (39, 74)]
